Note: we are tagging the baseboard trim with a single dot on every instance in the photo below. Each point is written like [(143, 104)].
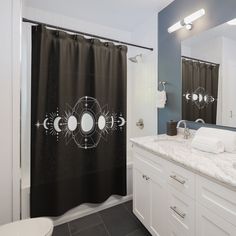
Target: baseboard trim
[(88, 209)]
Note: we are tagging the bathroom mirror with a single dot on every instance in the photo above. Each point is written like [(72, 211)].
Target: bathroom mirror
[(209, 76)]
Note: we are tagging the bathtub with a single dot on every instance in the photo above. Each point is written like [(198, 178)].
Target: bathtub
[(80, 211)]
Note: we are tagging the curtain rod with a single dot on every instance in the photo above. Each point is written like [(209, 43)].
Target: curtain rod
[(195, 59), (86, 34)]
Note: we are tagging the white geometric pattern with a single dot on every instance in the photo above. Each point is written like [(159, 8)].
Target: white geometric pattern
[(85, 123)]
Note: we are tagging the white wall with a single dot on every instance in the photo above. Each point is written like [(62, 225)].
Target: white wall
[(185, 50), (208, 51), (10, 107), (74, 23), (6, 112), (228, 69), (144, 82)]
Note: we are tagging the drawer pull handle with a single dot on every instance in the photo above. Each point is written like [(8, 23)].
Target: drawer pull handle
[(181, 181), (175, 209)]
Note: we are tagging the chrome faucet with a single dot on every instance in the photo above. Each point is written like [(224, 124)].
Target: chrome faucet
[(200, 120), (186, 130)]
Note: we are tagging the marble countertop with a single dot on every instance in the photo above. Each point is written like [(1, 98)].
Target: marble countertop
[(221, 167)]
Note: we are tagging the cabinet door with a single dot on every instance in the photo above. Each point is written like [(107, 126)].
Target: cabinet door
[(174, 230), (140, 196), (157, 206), (181, 212), (208, 223)]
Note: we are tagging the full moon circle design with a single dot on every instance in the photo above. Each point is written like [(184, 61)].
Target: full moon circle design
[(87, 122), (72, 123), (195, 97), (101, 122)]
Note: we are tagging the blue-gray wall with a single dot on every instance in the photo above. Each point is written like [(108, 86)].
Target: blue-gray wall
[(169, 47)]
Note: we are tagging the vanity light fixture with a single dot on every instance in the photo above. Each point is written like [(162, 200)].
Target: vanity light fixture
[(187, 22), (232, 22)]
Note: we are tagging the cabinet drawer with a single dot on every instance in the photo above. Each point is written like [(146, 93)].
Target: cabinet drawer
[(181, 179), (149, 168), (208, 223), (217, 198), (181, 212)]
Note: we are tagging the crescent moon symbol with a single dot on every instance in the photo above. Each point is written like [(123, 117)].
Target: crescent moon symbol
[(122, 121), (45, 123), (112, 121), (188, 96), (56, 124)]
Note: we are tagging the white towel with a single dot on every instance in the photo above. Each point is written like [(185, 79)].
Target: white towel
[(207, 144), (228, 138), (161, 99)]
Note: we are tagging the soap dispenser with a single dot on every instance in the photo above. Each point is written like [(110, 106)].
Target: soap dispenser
[(171, 129)]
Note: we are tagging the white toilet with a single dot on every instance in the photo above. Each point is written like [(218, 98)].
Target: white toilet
[(29, 227)]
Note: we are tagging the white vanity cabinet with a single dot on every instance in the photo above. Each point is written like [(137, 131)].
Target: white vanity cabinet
[(173, 201), (141, 193), (150, 195)]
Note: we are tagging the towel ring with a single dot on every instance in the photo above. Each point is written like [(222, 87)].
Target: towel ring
[(163, 83)]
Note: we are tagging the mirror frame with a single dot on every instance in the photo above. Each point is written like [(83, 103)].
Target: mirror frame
[(169, 49)]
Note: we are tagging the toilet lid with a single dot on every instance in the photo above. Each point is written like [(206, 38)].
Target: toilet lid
[(29, 227)]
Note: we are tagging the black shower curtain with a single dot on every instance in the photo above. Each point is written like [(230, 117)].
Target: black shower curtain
[(78, 117), (199, 77)]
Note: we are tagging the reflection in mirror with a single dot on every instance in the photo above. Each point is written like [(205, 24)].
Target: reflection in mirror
[(209, 76)]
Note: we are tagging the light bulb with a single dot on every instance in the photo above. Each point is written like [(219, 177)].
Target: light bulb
[(191, 18), (232, 22), (175, 27)]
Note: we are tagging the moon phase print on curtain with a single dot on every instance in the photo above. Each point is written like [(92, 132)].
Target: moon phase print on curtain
[(78, 121), (200, 90)]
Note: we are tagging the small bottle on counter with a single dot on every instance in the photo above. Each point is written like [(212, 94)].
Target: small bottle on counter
[(171, 129)]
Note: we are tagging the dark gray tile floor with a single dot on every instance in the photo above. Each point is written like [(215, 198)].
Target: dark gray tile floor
[(115, 221)]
